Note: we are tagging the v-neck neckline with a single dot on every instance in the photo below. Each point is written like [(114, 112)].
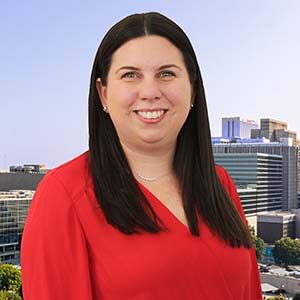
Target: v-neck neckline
[(181, 226)]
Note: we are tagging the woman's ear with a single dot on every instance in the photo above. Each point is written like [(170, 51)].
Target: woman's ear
[(101, 89)]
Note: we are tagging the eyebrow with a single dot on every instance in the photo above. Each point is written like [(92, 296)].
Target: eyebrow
[(137, 69)]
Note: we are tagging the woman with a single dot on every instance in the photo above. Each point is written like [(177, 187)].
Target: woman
[(145, 213)]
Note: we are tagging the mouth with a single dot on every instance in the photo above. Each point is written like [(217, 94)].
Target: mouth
[(151, 114)]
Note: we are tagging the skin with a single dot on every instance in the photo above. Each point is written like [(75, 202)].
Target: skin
[(149, 73)]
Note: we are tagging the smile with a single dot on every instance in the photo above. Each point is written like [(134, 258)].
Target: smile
[(150, 114)]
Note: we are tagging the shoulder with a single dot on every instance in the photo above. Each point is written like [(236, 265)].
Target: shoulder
[(73, 176), (58, 191)]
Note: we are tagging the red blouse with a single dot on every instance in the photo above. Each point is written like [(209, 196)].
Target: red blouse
[(70, 252)]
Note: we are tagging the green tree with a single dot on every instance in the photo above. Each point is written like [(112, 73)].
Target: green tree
[(258, 243), (10, 278), (8, 295), (287, 251)]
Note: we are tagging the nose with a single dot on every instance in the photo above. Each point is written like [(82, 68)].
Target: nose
[(150, 89)]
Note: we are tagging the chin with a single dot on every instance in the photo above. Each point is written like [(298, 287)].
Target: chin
[(158, 137), (152, 139)]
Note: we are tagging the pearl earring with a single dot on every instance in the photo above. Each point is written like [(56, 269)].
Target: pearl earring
[(105, 108)]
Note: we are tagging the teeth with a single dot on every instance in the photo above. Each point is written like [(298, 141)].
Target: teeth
[(150, 114)]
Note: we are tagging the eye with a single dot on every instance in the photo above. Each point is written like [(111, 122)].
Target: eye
[(166, 74), (129, 75)]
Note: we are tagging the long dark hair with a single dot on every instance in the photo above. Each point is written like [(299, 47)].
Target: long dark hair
[(119, 196)]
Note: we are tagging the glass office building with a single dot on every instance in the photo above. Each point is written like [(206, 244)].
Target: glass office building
[(258, 178), (13, 212), (290, 166)]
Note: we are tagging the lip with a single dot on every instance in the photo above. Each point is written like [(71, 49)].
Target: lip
[(151, 121)]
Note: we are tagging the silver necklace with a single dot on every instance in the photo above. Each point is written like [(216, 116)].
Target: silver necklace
[(150, 179)]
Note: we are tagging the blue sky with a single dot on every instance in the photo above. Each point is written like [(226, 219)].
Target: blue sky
[(248, 53)]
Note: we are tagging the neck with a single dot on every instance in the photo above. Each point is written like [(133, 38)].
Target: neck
[(150, 164)]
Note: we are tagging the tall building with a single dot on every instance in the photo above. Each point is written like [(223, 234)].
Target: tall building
[(272, 226), (298, 179), (13, 212), (16, 192), (290, 168), (258, 178), (274, 130), (236, 127)]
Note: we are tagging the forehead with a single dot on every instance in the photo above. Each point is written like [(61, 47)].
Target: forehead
[(147, 50)]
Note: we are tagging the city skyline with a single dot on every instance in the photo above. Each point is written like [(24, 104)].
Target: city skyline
[(247, 52)]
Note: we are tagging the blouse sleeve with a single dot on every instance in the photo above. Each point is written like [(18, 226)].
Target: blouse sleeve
[(256, 292), (54, 260)]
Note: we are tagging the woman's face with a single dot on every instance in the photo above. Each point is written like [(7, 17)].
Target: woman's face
[(148, 92)]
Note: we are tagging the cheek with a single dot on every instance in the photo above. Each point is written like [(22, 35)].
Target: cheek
[(121, 97), (179, 95)]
